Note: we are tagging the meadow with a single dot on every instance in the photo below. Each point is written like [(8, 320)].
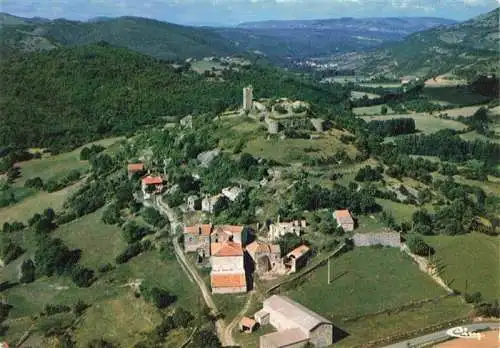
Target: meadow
[(371, 110), (365, 280), (469, 263), (454, 95), (424, 122)]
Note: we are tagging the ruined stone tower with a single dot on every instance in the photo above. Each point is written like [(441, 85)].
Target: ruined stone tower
[(247, 98)]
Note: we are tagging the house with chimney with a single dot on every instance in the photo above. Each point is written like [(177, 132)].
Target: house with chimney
[(228, 271), (344, 219)]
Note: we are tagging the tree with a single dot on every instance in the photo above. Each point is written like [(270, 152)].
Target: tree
[(205, 339), (100, 343), (383, 110), (82, 277), (111, 214), (161, 298), (182, 318), (27, 272)]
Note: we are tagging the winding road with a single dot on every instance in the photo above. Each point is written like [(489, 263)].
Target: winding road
[(225, 335), (440, 336)]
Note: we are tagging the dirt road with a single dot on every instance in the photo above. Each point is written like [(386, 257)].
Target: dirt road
[(220, 325)]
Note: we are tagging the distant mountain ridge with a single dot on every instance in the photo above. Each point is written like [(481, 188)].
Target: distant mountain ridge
[(292, 39), (464, 48), (405, 25)]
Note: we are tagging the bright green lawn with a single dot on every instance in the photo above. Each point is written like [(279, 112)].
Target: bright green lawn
[(369, 280), (473, 258)]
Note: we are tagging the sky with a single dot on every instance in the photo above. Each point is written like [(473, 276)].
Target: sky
[(231, 12)]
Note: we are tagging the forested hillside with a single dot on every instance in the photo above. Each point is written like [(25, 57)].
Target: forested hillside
[(69, 96), (155, 38), (465, 49)]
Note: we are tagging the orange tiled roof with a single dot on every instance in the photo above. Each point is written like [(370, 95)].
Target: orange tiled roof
[(226, 249), (195, 230), (228, 280), (152, 180), (299, 251), (229, 229), (248, 322), (342, 213), (135, 167), (258, 247)]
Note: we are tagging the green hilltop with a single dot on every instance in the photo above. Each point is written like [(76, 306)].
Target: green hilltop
[(68, 96)]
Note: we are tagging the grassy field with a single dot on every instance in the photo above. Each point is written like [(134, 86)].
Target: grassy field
[(454, 95), (359, 95), (59, 165), (371, 110), (35, 203), (366, 280), (101, 242), (471, 136), (472, 259), (424, 122), (380, 326), (297, 150)]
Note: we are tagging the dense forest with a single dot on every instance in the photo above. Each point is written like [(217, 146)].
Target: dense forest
[(69, 96)]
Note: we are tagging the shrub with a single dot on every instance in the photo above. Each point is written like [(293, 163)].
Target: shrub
[(132, 250), (417, 246), (473, 298), (80, 307), (82, 277), (50, 309), (105, 268), (36, 183), (182, 318), (159, 297)]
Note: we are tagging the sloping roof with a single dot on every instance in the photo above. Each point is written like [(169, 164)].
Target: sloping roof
[(195, 230), (303, 317), (229, 229), (228, 280), (343, 216), (248, 322), (227, 248), (261, 247), (152, 180), (298, 251), (285, 338), (135, 167)]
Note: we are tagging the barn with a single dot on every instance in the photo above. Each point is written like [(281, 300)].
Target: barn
[(295, 323)]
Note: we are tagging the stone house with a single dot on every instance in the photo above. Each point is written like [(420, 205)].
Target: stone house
[(197, 239), (344, 219), (265, 256), (281, 228), (208, 203), (392, 239), (296, 325), (148, 181), (193, 203), (297, 258), (228, 271), (223, 233), (232, 192)]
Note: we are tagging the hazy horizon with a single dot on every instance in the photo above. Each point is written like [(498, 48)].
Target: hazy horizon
[(233, 12)]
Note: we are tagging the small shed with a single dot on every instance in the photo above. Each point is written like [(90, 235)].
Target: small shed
[(247, 325), (262, 317)]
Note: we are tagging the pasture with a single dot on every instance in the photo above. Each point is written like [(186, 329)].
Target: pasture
[(455, 95), (469, 263), (360, 95), (365, 280), (297, 150), (423, 121)]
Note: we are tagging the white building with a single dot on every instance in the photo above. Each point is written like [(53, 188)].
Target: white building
[(228, 271), (295, 323), (232, 192)]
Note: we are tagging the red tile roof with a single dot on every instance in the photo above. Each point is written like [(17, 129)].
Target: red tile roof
[(299, 251), (152, 180), (135, 167), (226, 249), (228, 280), (247, 322), (195, 230)]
